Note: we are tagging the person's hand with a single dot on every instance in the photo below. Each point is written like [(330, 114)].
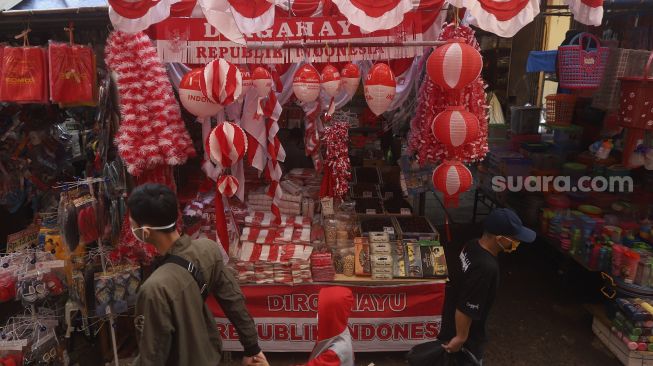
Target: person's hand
[(454, 345), (256, 360)]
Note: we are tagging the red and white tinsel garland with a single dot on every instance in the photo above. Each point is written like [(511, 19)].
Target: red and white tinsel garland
[(432, 100), (337, 167)]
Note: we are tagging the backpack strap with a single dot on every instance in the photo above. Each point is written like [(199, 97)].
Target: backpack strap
[(192, 269)]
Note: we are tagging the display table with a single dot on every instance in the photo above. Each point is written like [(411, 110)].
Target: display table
[(391, 315)]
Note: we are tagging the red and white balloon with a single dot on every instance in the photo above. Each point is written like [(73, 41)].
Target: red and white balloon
[(330, 80), (350, 77), (454, 65), (306, 84), (262, 81), (192, 98), (380, 88), (452, 178), (222, 82), (455, 126)]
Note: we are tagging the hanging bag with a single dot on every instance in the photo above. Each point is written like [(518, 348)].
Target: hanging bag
[(582, 67), (23, 73), (636, 108), (72, 72)]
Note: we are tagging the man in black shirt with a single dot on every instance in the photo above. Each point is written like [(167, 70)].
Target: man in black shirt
[(474, 278)]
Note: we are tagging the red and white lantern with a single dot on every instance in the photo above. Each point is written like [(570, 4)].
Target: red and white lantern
[(247, 80), (222, 82), (454, 65), (262, 81), (452, 178), (455, 126), (227, 144), (192, 98), (330, 80), (350, 77), (228, 185), (380, 88), (306, 84)]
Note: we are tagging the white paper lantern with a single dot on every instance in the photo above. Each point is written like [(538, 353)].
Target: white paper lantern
[(380, 88), (306, 84), (192, 98)]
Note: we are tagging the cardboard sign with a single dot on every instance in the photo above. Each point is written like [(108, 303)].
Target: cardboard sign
[(22, 239)]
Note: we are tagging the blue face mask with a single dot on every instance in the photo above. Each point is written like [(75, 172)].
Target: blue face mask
[(141, 229)]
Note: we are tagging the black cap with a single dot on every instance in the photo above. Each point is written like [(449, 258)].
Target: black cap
[(505, 222)]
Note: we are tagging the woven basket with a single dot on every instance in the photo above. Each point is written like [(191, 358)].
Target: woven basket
[(621, 62), (560, 109), (637, 100), (582, 67)]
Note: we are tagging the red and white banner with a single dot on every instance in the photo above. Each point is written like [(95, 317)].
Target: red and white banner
[(385, 318), (195, 41)]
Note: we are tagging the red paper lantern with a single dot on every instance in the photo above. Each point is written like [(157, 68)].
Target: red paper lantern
[(262, 81), (452, 178), (227, 185), (306, 84), (247, 79), (222, 82), (380, 88), (191, 97), (226, 144), (455, 126), (330, 79), (350, 78), (454, 65)]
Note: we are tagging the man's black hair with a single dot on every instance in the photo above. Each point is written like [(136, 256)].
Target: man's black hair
[(153, 205)]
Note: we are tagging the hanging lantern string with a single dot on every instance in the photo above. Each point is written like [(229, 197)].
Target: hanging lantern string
[(70, 29)]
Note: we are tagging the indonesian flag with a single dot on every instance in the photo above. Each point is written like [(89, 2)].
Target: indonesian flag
[(372, 15), (133, 16)]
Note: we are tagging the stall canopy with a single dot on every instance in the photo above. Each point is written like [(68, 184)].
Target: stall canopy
[(236, 19)]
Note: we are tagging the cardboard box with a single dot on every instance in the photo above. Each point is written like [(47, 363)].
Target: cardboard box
[(434, 264)]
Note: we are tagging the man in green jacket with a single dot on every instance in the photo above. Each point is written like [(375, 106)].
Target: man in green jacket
[(174, 325)]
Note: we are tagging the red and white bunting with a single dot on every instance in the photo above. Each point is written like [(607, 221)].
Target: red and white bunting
[(503, 18), (252, 15), (133, 16), (588, 12), (372, 15)]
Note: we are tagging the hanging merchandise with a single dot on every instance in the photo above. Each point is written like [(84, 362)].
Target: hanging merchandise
[(228, 185), (262, 81), (192, 98), (337, 167), (432, 99), (227, 144), (72, 72), (350, 78), (455, 126), (306, 84), (330, 79), (222, 82), (582, 66), (452, 178), (636, 109), (23, 73), (454, 65), (380, 88), (247, 81)]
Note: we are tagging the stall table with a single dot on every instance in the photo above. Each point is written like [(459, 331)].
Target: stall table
[(392, 315)]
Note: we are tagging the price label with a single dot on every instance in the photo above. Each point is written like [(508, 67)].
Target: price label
[(389, 195), (327, 206), (388, 229), (405, 211), (370, 211), (367, 194)]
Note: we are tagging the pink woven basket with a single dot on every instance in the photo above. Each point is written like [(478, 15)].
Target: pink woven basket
[(582, 67)]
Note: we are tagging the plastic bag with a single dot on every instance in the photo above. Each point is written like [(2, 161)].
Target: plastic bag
[(23, 75), (72, 73)]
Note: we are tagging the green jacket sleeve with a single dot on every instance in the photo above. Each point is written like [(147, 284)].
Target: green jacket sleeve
[(153, 327), (228, 294)]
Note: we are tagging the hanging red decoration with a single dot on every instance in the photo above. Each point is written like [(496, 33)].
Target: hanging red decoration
[(351, 78), (330, 79), (306, 84), (455, 126), (454, 65), (452, 178), (380, 88), (191, 97), (227, 185), (227, 144), (222, 82), (262, 81), (246, 80)]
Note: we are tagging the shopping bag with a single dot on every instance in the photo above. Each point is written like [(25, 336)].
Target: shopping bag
[(433, 354), (581, 66), (23, 75), (72, 73)]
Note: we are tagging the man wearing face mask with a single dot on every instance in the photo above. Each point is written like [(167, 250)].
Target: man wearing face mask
[(474, 278), (173, 323)]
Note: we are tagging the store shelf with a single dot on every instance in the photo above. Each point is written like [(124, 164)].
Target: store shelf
[(556, 245), (359, 280)]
